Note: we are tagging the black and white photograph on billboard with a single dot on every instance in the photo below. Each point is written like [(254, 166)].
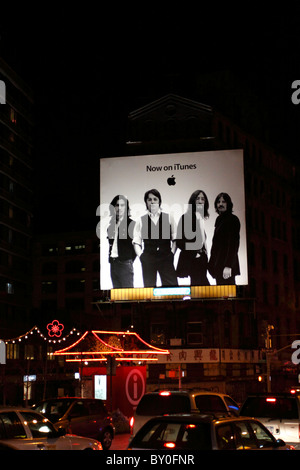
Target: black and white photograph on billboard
[(172, 220)]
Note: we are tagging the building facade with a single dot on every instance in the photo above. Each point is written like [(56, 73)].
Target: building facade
[(16, 201), (220, 344)]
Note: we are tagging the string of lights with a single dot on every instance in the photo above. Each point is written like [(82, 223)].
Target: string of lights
[(36, 330)]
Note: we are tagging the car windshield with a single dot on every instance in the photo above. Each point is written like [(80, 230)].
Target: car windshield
[(152, 405), (38, 425), (54, 409), (174, 435), (270, 407)]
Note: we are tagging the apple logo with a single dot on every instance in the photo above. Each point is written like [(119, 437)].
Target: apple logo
[(171, 181)]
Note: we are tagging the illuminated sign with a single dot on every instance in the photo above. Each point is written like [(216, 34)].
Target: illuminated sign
[(55, 329), (2, 92), (29, 378), (181, 223), (2, 352), (160, 291), (100, 387)]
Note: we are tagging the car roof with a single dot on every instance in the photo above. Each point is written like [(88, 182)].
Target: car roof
[(66, 399), (198, 418), (276, 394), (185, 391), (17, 408)]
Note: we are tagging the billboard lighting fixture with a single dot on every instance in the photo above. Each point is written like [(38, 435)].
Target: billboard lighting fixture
[(161, 291)]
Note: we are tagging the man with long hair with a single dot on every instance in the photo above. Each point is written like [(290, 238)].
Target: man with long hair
[(121, 251), (191, 239), (224, 262)]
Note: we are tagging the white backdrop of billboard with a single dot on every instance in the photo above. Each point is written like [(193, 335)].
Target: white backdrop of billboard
[(176, 176)]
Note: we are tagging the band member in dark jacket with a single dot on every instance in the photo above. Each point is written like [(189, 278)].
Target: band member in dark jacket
[(121, 251), (224, 263), (153, 243), (191, 239)]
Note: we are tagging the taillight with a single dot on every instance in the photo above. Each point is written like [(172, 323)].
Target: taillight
[(170, 445), (164, 394), (271, 400), (131, 423)]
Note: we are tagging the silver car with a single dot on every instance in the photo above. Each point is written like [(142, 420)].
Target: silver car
[(25, 429)]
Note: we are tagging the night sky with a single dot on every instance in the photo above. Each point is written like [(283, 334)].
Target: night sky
[(90, 67)]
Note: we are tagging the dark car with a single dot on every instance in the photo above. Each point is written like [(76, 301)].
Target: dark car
[(279, 412), (82, 416), (204, 432)]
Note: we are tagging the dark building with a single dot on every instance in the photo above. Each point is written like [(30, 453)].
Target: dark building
[(16, 201)]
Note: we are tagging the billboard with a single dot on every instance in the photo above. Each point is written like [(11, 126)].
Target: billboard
[(172, 220)]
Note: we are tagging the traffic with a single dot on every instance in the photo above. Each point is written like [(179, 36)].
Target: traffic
[(185, 420)]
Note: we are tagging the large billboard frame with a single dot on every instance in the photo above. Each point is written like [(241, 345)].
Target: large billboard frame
[(175, 177)]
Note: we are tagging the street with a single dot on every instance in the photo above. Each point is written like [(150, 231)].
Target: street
[(120, 441)]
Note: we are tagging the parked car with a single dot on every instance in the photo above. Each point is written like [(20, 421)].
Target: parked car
[(279, 412), (25, 429), (82, 416), (181, 401), (204, 432)]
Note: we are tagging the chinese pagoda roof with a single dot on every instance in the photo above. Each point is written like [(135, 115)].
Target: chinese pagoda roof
[(97, 345)]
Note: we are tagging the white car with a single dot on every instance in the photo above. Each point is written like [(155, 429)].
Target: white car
[(25, 429)]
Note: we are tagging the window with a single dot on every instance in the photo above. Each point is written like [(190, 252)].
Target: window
[(225, 437), (75, 266), (29, 351), (158, 335), (12, 351), (75, 285), (210, 403), (49, 250), (38, 426), (279, 408), (96, 407), (49, 268), (232, 405), (49, 287), (79, 409), (263, 257), (152, 405), (244, 439), (194, 333), (263, 438), (11, 426)]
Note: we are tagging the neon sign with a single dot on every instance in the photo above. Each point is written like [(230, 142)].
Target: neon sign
[(55, 329)]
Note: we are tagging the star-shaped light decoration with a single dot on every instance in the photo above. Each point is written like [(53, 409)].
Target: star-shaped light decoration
[(55, 329)]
